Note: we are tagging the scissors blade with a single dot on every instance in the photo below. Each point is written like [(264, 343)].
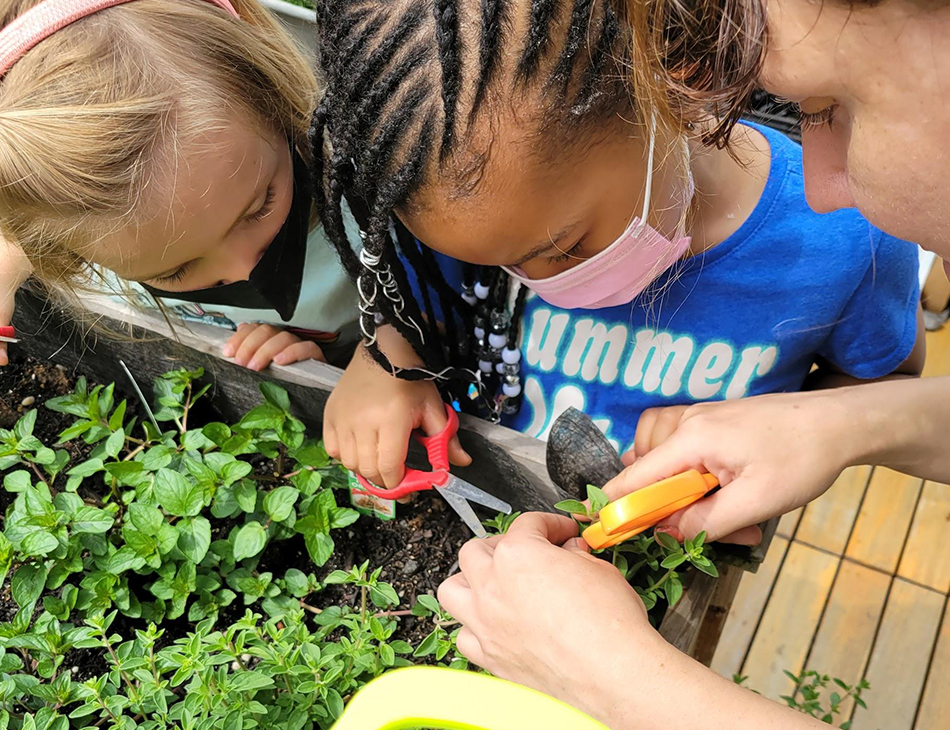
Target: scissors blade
[(464, 510), (472, 493)]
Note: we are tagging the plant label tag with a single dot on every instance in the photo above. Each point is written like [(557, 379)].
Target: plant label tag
[(367, 504)]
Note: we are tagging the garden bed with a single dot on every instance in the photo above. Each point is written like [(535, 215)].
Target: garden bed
[(345, 604)]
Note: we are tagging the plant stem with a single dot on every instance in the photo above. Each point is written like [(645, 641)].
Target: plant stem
[(385, 614), (132, 454), (39, 474), (308, 607)]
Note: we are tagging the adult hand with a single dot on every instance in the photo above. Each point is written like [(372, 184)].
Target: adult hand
[(771, 454), (567, 624)]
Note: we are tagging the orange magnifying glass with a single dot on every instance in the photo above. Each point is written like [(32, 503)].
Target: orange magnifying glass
[(638, 511)]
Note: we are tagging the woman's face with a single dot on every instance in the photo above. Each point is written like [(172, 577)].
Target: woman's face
[(875, 84)]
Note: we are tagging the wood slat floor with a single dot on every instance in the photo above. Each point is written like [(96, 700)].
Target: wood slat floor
[(856, 585)]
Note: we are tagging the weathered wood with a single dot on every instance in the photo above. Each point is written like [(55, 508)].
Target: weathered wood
[(828, 520), (714, 620), (898, 666), (788, 624), (882, 523), (506, 463), (844, 639), (925, 559), (579, 454), (934, 709)]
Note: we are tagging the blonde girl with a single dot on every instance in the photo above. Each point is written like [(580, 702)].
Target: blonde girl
[(165, 141)]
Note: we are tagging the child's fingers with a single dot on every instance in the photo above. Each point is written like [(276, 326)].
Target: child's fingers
[(252, 342), (349, 455), (299, 352), (330, 440), (269, 349), (644, 433), (666, 423), (367, 451), (458, 455), (433, 418), (4, 358), (237, 339), (393, 448)]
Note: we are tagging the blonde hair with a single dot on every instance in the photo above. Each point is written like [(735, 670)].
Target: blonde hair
[(92, 117)]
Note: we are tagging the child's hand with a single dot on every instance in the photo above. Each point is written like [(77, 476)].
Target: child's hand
[(655, 426), (371, 415), (255, 346), (15, 268)]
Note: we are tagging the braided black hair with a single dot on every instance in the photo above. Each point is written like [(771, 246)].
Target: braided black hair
[(406, 82)]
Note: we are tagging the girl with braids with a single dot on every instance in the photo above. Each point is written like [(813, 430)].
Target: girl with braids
[(164, 142), (612, 261)]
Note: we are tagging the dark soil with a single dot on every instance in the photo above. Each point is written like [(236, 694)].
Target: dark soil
[(417, 550)]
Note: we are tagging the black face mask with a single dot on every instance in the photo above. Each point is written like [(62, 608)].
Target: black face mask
[(276, 280)]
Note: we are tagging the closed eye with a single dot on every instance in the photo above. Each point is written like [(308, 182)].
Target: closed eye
[(177, 276), (570, 253), (266, 208)]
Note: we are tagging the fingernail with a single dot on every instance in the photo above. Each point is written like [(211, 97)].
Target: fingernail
[(254, 365), (671, 531), (228, 350), (280, 358)]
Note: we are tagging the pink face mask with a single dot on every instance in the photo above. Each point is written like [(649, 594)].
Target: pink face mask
[(621, 271)]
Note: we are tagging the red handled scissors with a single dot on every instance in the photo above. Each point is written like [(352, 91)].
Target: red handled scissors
[(457, 492), (8, 334)]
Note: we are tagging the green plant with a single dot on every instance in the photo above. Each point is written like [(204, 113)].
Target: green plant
[(651, 563), (499, 524), (153, 524), (806, 697)]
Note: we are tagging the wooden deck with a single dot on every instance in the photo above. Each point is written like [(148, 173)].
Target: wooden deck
[(856, 585)]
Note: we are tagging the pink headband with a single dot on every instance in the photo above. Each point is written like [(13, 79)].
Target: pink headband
[(49, 16)]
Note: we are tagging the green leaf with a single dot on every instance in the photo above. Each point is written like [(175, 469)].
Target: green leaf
[(387, 655), (673, 561), (86, 468), (383, 595), (217, 432), (146, 518), (38, 543), (668, 541), (250, 540), (430, 603), (77, 429), (157, 457), (279, 503), (17, 481), (92, 520), (124, 471), (27, 584), (194, 538), (124, 559), (247, 681), (705, 565), (572, 506), (177, 495), (320, 546), (263, 418), (297, 583), (597, 498), (275, 395), (114, 444), (343, 517), (428, 645), (24, 427), (235, 470), (118, 416), (674, 590), (245, 493)]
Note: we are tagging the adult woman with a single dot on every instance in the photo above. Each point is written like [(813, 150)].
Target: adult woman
[(871, 72)]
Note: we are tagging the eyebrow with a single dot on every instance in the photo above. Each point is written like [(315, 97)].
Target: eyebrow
[(547, 245)]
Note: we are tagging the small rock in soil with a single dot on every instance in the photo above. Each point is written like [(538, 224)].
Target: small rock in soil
[(28, 401), (410, 567)]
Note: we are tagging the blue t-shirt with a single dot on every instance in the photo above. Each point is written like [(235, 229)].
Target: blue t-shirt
[(750, 316)]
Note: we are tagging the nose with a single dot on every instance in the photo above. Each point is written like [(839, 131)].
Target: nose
[(825, 157), (238, 265)]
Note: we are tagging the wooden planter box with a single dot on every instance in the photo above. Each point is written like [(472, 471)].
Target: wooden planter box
[(506, 463)]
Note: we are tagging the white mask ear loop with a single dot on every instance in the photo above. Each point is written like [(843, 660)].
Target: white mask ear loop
[(648, 186)]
